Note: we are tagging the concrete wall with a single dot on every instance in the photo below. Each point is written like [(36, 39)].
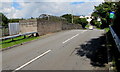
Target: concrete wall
[(67, 26), (28, 25), (45, 26)]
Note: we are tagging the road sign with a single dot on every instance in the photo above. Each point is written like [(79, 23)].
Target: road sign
[(112, 14)]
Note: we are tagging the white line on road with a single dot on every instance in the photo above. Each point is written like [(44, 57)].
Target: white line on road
[(70, 38), (83, 31), (73, 37), (31, 61)]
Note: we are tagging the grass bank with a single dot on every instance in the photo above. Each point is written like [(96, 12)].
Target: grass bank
[(15, 41)]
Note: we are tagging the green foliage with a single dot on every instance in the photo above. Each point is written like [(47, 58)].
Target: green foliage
[(3, 20), (76, 19), (55, 18), (96, 23), (17, 40), (50, 17), (116, 23), (14, 20), (82, 21), (31, 18), (102, 11), (68, 17)]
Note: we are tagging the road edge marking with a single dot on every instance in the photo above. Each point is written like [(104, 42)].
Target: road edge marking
[(31, 60)]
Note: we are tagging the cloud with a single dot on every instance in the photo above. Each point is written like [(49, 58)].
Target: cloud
[(34, 9), (52, 0)]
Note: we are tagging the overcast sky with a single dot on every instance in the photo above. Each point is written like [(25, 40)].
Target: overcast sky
[(33, 8)]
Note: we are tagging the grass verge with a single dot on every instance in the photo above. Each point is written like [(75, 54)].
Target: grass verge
[(107, 29), (15, 41)]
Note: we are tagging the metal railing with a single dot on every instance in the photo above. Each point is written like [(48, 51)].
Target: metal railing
[(115, 37), (14, 36)]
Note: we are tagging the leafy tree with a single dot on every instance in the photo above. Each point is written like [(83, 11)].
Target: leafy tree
[(68, 17), (116, 23), (83, 22), (14, 20), (77, 20), (31, 18), (102, 11), (3, 20)]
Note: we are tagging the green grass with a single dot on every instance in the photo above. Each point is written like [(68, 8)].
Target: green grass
[(98, 28), (107, 29), (87, 26), (17, 40)]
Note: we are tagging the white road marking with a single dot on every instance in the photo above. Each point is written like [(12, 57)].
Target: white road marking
[(70, 38), (83, 31), (73, 37), (31, 61)]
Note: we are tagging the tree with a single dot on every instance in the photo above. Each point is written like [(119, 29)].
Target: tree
[(44, 16), (102, 11), (3, 20), (77, 20), (83, 22), (116, 23), (31, 18), (68, 17), (14, 20)]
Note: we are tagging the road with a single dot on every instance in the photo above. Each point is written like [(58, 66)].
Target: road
[(58, 51)]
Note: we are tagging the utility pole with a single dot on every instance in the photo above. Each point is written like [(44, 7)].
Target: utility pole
[(72, 16)]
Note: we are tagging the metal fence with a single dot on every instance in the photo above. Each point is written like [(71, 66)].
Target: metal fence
[(14, 28), (115, 37), (14, 36)]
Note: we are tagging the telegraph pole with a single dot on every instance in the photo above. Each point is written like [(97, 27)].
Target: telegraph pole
[(72, 16)]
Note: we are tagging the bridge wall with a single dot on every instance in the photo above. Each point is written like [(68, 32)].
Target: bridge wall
[(43, 26)]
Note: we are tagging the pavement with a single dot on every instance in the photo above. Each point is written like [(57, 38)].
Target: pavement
[(58, 51)]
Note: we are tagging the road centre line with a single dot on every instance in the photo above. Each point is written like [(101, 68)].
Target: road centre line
[(31, 60), (73, 37), (83, 31), (70, 38)]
